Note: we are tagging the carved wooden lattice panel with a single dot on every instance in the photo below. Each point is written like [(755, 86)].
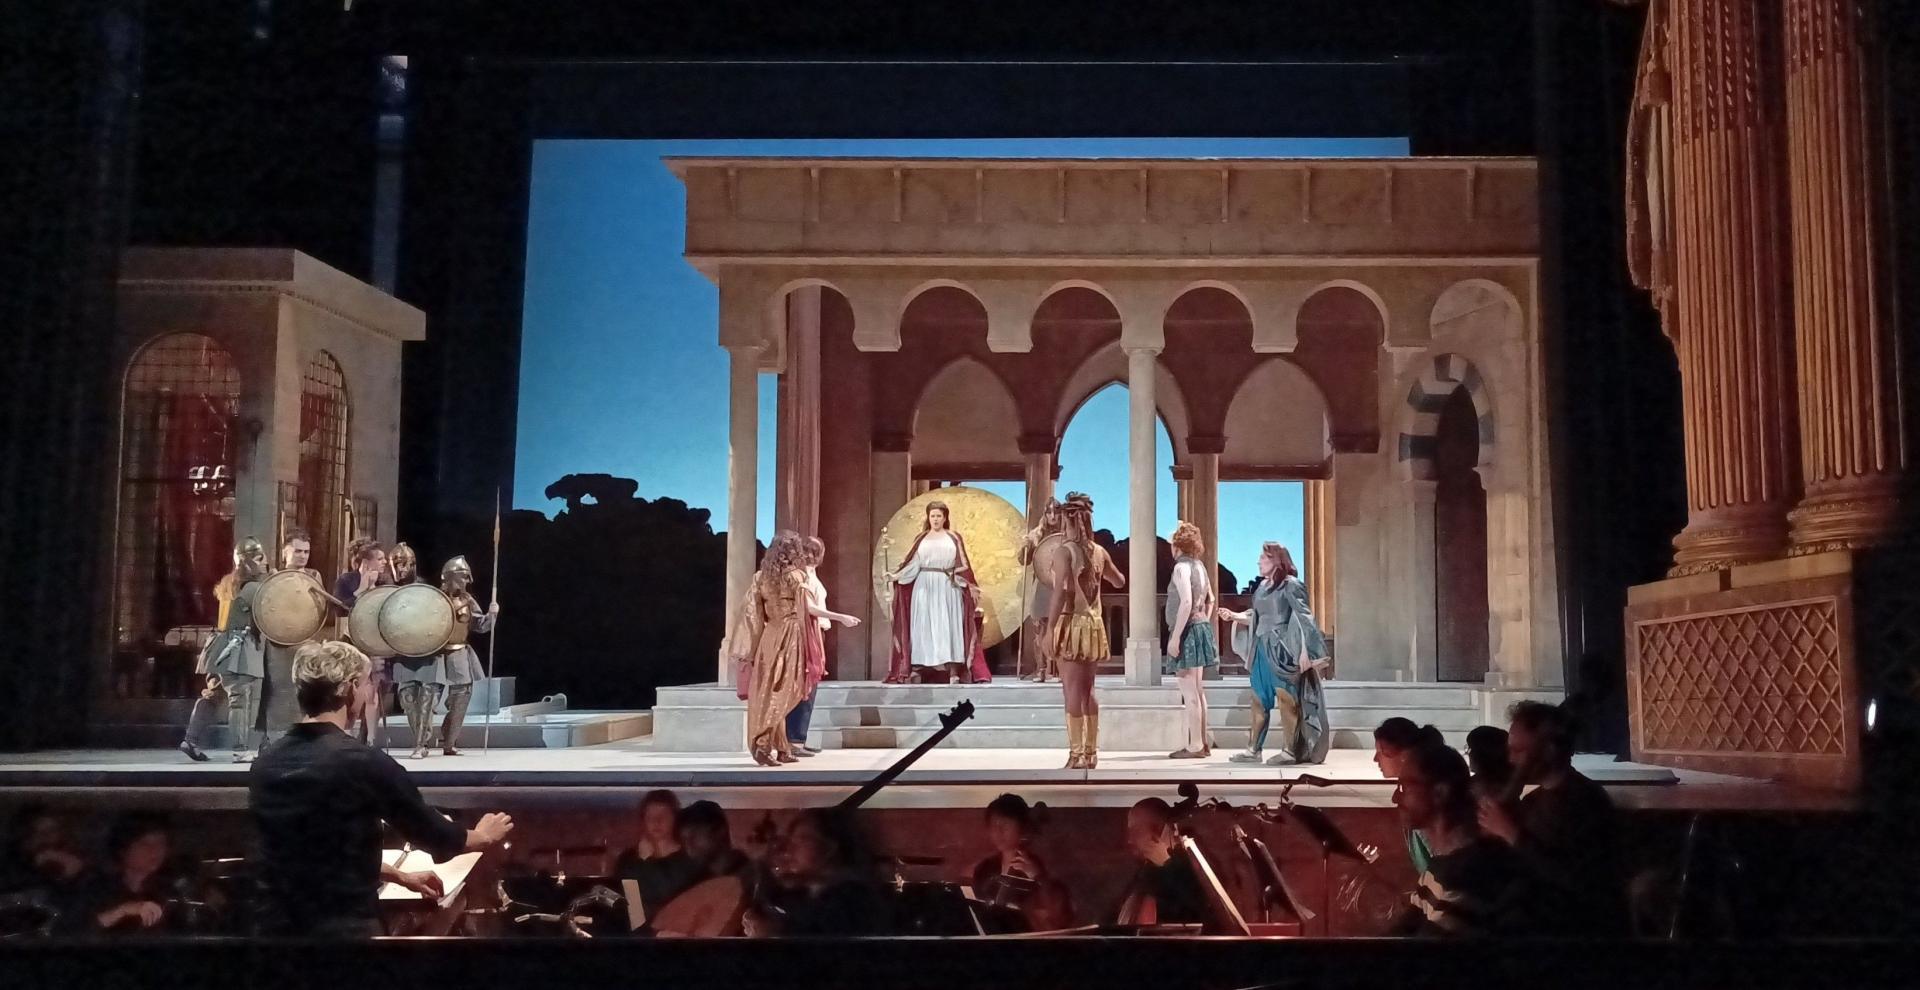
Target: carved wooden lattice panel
[(1765, 679)]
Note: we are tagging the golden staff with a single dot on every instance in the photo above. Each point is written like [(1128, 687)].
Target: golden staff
[(493, 637)]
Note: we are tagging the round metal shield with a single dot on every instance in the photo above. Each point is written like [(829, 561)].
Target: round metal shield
[(1052, 547), (416, 620), (363, 622), (992, 528), (291, 608)]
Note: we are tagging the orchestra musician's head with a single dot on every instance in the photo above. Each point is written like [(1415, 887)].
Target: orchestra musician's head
[(296, 550), (822, 846), (1540, 739), (1150, 831), (704, 833), (138, 843), (1009, 823), (1434, 790), (938, 517), (659, 823), (330, 678)]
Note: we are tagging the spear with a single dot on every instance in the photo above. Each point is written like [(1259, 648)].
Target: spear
[(493, 637)]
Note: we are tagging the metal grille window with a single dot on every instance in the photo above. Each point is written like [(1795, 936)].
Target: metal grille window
[(321, 496), (180, 409)]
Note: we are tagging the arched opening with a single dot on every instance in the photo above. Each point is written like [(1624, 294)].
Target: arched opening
[(318, 501), (180, 408), (1093, 459), (1460, 544), (966, 430)]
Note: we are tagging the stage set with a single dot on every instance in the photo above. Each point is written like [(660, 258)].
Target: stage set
[(1413, 340)]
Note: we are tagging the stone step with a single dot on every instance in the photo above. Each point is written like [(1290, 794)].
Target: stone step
[(1115, 735), (1054, 715), (833, 693)]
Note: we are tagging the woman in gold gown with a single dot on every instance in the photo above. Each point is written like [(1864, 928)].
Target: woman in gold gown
[(769, 635)]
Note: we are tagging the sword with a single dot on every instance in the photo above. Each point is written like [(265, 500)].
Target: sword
[(493, 637)]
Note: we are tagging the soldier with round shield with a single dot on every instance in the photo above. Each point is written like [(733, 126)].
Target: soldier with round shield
[(459, 664), (234, 660), (291, 602)]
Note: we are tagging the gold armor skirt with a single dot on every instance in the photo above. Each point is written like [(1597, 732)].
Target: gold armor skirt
[(1081, 638)]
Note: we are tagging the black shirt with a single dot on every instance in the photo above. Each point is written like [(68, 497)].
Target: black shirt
[(1570, 844), (661, 878), (1473, 890), (318, 798), (850, 907), (1175, 891)]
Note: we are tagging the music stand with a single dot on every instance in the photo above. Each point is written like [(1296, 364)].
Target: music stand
[(1275, 891), (1223, 916)]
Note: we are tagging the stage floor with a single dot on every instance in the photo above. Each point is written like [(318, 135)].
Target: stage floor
[(943, 778)]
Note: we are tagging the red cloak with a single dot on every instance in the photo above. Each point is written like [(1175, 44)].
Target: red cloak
[(902, 659)]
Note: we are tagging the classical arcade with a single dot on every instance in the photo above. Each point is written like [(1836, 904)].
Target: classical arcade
[(1368, 327)]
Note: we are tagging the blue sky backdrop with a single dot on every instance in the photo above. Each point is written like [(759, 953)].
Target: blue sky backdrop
[(621, 370)]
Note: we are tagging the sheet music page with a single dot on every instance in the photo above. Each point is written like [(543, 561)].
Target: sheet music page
[(452, 873)]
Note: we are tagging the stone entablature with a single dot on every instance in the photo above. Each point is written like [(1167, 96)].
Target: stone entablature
[(1108, 211)]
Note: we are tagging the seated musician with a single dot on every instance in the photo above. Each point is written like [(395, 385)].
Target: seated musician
[(136, 892), (656, 861), (714, 903), (828, 886), (38, 855), (708, 841), (1165, 889), (1013, 875), (1471, 883)]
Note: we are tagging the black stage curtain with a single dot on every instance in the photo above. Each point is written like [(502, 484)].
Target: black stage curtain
[(70, 72)]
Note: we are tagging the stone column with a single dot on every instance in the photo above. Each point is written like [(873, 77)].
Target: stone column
[(1419, 595), (1037, 448), (1729, 315), (799, 455), (1143, 652), (1204, 511), (743, 480), (1853, 442), (1321, 577), (892, 487)]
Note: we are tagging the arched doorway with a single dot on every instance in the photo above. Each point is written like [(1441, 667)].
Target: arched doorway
[(180, 407), (319, 498), (1460, 543)]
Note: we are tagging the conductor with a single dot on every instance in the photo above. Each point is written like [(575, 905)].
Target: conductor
[(318, 798)]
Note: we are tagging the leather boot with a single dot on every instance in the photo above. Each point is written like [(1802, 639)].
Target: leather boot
[(457, 703), (1090, 740), (1076, 730)]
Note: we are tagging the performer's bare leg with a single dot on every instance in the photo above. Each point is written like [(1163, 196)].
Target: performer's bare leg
[(957, 673), (1193, 700), (1076, 686)]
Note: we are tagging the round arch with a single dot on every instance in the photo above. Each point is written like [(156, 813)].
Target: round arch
[(326, 450), (179, 434), (965, 414), (1436, 380)]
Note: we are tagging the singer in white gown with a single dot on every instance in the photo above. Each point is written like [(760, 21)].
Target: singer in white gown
[(939, 607)]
